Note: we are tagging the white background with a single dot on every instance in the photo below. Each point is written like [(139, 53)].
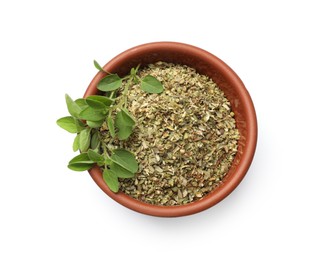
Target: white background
[(49, 212)]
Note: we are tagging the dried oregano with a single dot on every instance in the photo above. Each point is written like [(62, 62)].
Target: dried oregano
[(166, 149), (185, 139)]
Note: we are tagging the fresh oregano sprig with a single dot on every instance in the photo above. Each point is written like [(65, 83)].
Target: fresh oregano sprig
[(87, 115)]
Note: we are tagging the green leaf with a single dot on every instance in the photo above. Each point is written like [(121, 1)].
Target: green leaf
[(75, 145), (80, 162), (110, 82), (81, 102), (95, 124), (120, 171), (124, 118), (81, 158), (124, 122), (151, 85), (80, 125), (127, 117), (94, 143), (111, 180), (94, 156), (110, 125), (132, 72), (73, 108), (69, 124), (125, 159), (105, 100), (97, 66), (80, 167), (95, 104), (84, 139), (124, 132), (92, 114)]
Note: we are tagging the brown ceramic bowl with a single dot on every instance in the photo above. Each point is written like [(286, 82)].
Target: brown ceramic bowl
[(234, 89)]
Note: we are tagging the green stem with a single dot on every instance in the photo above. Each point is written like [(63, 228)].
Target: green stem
[(138, 79), (102, 143), (125, 92), (108, 73)]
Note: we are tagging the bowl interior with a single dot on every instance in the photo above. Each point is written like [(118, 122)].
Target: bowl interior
[(226, 79)]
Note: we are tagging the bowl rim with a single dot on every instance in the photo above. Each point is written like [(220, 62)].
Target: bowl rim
[(223, 190)]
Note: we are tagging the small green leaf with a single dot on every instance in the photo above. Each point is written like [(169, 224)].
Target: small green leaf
[(151, 85), (80, 162), (133, 74), (125, 159), (73, 108), (84, 139), (94, 143), (96, 104), (110, 125), (97, 66), (134, 71), (81, 102), (95, 124), (128, 118), (75, 145), (111, 180), (94, 156), (80, 167), (110, 82), (105, 100), (124, 118), (124, 122), (69, 124), (124, 132), (81, 158), (80, 125), (120, 171), (92, 114)]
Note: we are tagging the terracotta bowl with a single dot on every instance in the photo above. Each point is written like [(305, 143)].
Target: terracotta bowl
[(208, 64)]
